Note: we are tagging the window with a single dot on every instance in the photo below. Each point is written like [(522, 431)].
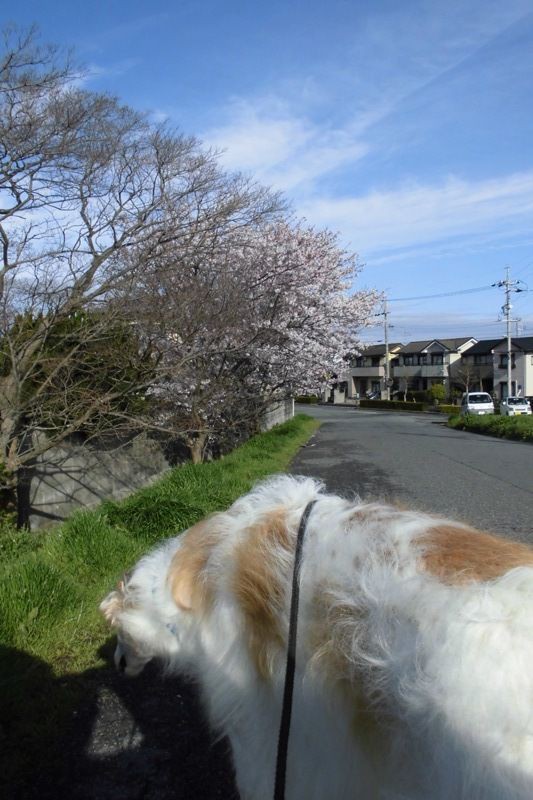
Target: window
[(423, 359), (409, 360), (375, 361), (437, 359), (482, 358), (503, 361)]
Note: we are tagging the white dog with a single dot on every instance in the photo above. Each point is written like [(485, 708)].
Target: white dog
[(414, 666)]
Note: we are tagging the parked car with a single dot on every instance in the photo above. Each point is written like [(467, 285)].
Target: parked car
[(514, 406), (477, 403), (373, 395)]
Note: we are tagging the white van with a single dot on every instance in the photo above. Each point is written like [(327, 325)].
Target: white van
[(477, 403)]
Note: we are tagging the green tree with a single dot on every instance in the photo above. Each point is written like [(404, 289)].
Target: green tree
[(437, 392)]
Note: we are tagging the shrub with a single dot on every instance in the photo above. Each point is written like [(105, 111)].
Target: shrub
[(520, 428), (394, 405), (446, 408), (437, 392), (306, 398), (418, 396)]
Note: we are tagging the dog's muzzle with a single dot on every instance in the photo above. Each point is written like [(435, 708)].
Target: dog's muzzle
[(128, 662)]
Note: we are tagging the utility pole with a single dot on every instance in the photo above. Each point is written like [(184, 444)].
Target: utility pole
[(510, 286), (387, 364), (385, 315)]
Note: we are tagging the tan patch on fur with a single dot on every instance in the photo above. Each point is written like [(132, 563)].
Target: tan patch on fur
[(260, 589), (330, 640), (458, 555), (187, 576)]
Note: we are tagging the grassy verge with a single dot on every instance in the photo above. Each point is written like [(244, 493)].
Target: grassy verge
[(520, 428), (51, 634)]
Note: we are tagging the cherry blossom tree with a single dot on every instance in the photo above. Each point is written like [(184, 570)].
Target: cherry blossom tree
[(268, 312)]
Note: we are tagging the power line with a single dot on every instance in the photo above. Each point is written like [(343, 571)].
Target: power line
[(443, 294)]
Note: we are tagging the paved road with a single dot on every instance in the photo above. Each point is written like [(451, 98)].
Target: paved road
[(416, 459)]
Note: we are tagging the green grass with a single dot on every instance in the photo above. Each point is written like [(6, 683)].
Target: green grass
[(51, 633), (520, 428)]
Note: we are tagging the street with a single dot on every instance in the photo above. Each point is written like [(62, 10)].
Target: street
[(415, 459)]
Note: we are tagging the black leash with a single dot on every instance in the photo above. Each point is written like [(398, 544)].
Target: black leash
[(285, 724)]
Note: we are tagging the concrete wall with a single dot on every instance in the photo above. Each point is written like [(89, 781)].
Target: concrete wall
[(75, 476), (278, 413)]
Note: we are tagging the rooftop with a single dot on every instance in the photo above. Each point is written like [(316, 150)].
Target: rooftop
[(448, 344)]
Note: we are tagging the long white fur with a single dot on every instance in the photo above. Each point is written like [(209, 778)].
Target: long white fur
[(447, 671)]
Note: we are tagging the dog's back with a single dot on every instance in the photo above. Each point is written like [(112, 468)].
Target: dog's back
[(414, 654)]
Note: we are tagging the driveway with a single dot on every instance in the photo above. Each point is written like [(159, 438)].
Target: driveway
[(416, 459)]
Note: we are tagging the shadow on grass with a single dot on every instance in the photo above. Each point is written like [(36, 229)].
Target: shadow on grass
[(98, 735)]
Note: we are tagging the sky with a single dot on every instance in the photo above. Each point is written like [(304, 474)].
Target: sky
[(407, 127)]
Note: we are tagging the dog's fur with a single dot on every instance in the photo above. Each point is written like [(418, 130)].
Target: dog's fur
[(415, 645)]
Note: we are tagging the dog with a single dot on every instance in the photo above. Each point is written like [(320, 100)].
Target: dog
[(414, 658)]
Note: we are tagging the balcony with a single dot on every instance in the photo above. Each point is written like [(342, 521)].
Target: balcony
[(421, 371), (367, 372)]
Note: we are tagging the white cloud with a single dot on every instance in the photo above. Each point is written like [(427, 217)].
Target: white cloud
[(414, 215), (98, 72), (281, 148)]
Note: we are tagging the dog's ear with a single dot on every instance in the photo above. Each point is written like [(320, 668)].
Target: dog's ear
[(188, 579), (112, 606)]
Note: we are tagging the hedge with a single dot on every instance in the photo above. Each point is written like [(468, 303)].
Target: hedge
[(446, 408), (393, 405), (306, 398), (520, 428)]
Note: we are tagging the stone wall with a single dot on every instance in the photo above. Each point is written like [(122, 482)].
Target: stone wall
[(81, 476)]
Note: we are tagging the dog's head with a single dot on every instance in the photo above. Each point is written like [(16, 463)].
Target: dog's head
[(237, 560), (132, 652), (154, 607)]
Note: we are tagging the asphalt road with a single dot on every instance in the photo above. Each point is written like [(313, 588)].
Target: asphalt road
[(146, 737), (416, 459)]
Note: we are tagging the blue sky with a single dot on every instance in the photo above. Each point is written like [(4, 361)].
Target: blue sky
[(406, 126)]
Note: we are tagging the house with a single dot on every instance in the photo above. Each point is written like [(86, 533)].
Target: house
[(367, 370), (463, 364), (476, 371), (521, 367), (484, 366), (421, 364)]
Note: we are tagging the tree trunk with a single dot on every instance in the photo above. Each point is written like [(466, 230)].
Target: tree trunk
[(15, 478), (23, 490), (8, 492), (196, 447)]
